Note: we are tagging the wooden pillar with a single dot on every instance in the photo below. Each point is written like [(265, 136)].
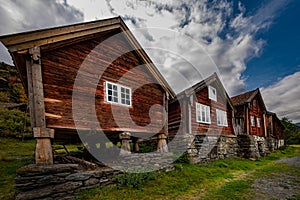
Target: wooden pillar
[(125, 148), (43, 152), (43, 155), (136, 147), (189, 114), (247, 117), (165, 117), (265, 125), (162, 146)]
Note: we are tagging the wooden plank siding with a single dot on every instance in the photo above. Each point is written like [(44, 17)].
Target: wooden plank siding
[(221, 104), (256, 112), (178, 110), (60, 67)]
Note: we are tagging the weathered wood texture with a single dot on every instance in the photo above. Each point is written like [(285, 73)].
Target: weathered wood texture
[(60, 67), (221, 104), (257, 112), (178, 115), (274, 127), (174, 118)]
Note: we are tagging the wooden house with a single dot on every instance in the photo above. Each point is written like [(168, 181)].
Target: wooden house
[(250, 115), (49, 62), (275, 131), (205, 111)]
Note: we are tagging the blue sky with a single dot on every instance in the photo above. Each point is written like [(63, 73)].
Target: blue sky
[(249, 43), (280, 56)]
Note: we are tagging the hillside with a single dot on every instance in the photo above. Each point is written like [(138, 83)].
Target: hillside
[(14, 120), (11, 88)]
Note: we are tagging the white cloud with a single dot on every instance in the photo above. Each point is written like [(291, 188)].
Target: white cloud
[(18, 16), (217, 35), (284, 97)]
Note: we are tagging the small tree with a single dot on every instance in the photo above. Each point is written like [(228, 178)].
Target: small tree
[(291, 131)]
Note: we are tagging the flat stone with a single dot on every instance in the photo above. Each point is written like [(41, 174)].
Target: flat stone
[(79, 176), (66, 187), (91, 181)]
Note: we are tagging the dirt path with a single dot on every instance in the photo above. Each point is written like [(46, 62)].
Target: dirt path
[(283, 185)]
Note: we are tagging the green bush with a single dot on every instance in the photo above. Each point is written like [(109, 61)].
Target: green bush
[(183, 159), (134, 180), (14, 123)]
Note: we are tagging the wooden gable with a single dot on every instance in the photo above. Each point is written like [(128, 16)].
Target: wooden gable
[(60, 53), (186, 101)]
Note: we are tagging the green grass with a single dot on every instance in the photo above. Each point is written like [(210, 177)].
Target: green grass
[(224, 179), (13, 155)]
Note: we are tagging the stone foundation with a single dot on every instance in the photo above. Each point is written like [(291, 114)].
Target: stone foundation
[(207, 148), (62, 181), (252, 146), (59, 181)]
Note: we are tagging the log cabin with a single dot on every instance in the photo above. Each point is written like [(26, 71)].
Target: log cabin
[(206, 112), (117, 86), (275, 131), (250, 113), (250, 124)]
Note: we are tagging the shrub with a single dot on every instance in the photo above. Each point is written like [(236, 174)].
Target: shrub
[(134, 180), (183, 159), (14, 123)]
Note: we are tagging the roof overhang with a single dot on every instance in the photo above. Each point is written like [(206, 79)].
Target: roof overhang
[(20, 43)]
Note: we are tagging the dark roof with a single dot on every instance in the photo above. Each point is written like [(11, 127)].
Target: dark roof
[(247, 98), (20, 43), (214, 78), (243, 98)]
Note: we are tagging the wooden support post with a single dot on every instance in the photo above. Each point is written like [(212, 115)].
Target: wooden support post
[(162, 146), (43, 144), (165, 117), (136, 147), (265, 125), (43, 153), (125, 148)]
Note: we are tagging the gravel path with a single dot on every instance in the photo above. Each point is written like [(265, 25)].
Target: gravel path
[(285, 185)]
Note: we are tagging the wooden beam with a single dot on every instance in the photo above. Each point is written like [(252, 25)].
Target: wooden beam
[(43, 151), (166, 107)]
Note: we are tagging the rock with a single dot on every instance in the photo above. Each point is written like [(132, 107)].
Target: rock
[(79, 176)]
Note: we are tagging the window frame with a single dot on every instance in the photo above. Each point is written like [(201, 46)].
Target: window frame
[(252, 121), (119, 94), (210, 94), (199, 112), (223, 115), (258, 121)]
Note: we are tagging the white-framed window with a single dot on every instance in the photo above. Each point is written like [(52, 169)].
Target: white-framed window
[(258, 122), (221, 118), (252, 120), (202, 113), (117, 94), (254, 102), (212, 93)]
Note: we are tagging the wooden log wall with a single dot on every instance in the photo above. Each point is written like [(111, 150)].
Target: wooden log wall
[(60, 67), (221, 104), (257, 112)]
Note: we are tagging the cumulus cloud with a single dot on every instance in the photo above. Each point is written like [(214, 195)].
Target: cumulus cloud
[(284, 97), (228, 40), (18, 16)]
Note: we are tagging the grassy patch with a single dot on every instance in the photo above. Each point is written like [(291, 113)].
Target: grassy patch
[(8, 173), (12, 152), (224, 179)]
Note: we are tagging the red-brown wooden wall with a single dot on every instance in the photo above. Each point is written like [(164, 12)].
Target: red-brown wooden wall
[(60, 67)]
